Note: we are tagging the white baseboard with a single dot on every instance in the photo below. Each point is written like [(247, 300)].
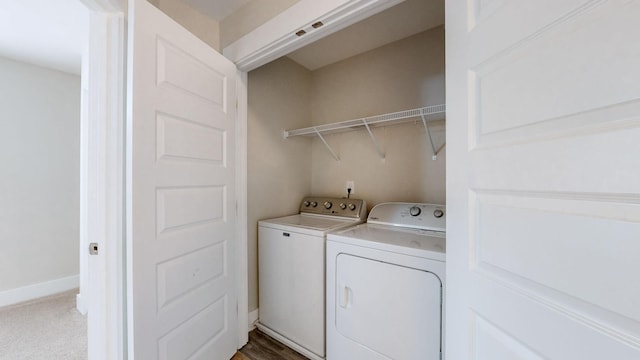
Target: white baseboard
[(289, 343), (35, 291), (81, 304), (253, 319)]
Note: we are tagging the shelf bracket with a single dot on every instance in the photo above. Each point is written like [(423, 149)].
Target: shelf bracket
[(326, 144), (433, 147), (373, 138)]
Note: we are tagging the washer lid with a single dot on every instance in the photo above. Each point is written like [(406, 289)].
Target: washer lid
[(415, 242), (311, 222)]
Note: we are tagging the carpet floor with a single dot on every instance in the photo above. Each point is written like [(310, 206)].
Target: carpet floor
[(47, 328), (52, 329)]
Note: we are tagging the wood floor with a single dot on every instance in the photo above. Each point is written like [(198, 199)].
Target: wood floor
[(262, 347)]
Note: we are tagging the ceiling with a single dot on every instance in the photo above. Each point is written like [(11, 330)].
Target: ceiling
[(45, 33), (217, 9), (403, 20)]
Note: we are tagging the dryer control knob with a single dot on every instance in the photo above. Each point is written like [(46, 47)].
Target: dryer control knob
[(328, 204), (415, 211), (314, 204), (438, 213), (307, 203), (352, 206), (343, 206)]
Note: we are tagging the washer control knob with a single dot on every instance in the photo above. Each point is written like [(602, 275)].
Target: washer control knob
[(352, 206), (343, 206), (415, 211), (306, 203), (327, 204), (438, 213), (314, 204)]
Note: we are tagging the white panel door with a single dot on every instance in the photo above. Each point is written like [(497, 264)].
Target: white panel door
[(543, 179), (181, 196)]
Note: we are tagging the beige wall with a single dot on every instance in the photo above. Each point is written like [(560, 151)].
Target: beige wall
[(40, 157), (249, 17), (403, 75), (202, 26), (279, 170)]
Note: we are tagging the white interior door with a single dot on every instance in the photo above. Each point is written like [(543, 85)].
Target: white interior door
[(543, 179), (181, 196)]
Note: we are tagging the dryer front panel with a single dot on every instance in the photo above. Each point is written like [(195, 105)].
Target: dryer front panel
[(386, 310)]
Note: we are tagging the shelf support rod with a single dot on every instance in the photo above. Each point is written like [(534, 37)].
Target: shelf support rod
[(373, 138), (433, 147), (326, 144)]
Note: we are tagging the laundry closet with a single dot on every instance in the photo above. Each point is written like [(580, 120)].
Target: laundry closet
[(405, 74)]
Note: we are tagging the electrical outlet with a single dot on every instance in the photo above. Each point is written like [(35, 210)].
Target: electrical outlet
[(351, 185)]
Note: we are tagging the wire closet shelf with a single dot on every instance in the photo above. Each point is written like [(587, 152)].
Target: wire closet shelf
[(427, 114)]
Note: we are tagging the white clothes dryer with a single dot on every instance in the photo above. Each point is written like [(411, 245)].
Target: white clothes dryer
[(291, 271), (385, 285)]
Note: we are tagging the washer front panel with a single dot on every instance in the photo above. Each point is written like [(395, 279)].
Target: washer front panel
[(291, 283), (292, 291)]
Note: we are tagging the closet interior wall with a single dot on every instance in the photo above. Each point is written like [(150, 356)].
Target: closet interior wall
[(278, 169), (403, 75)]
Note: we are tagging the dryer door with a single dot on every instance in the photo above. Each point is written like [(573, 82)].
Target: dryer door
[(387, 309)]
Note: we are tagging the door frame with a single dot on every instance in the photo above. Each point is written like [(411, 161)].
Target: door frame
[(102, 174), (242, 269)]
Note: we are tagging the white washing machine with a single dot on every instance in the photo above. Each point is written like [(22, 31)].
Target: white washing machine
[(385, 285), (291, 271)]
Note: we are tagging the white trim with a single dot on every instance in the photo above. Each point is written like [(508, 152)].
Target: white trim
[(35, 291), (105, 212), (81, 304), (103, 176), (253, 319), (277, 37), (242, 272), (83, 243), (288, 342)]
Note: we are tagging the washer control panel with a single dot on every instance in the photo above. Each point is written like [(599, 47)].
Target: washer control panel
[(349, 208), (410, 215)]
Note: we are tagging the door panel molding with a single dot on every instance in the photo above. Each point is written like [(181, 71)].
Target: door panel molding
[(594, 121), (533, 21), (510, 92), (174, 67), (491, 342)]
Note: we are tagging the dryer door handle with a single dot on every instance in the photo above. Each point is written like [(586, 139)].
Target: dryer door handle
[(346, 297)]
